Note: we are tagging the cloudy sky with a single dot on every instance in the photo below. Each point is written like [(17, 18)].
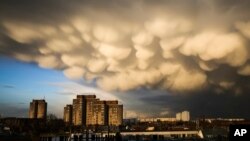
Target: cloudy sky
[(156, 57)]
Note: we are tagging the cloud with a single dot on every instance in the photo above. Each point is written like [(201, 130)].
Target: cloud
[(207, 103), (74, 72), (130, 114), (72, 89), (245, 70), (165, 113), (223, 48), (244, 28), (185, 80), (7, 86), (48, 61), (128, 45), (168, 26), (13, 111)]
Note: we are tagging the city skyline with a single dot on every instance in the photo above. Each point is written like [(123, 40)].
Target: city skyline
[(156, 58)]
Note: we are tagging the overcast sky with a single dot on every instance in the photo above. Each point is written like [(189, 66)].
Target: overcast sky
[(156, 57)]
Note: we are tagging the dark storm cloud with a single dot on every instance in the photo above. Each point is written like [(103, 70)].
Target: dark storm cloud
[(193, 49), (206, 104)]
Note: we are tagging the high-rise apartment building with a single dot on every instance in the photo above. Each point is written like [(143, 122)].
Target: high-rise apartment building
[(87, 110), (33, 109), (88, 105), (99, 112), (38, 109), (76, 119), (67, 115), (178, 116), (83, 109), (183, 116), (114, 113)]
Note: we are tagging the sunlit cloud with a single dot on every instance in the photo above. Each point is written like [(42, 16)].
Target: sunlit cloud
[(72, 89), (159, 46)]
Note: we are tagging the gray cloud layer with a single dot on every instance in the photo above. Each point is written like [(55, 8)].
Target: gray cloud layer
[(206, 104), (175, 45), (13, 110)]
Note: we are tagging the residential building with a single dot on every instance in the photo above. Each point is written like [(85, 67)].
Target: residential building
[(83, 110), (88, 110), (99, 112), (67, 115), (38, 109), (185, 116), (114, 113)]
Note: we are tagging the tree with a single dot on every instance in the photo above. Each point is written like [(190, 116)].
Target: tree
[(54, 124), (51, 117)]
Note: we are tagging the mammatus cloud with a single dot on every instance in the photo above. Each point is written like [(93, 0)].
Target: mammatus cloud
[(72, 89), (126, 45)]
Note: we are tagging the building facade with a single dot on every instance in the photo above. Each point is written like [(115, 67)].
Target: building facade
[(76, 120), (83, 109), (38, 109), (67, 116), (33, 110), (114, 113), (99, 112), (88, 110), (178, 116), (183, 116)]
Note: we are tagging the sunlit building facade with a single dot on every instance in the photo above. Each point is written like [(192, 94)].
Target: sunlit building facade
[(99, 112), (38, 109), (67, 115), (88, 110), (183, 116), (114, 113), (178, 116), (83, 109)]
